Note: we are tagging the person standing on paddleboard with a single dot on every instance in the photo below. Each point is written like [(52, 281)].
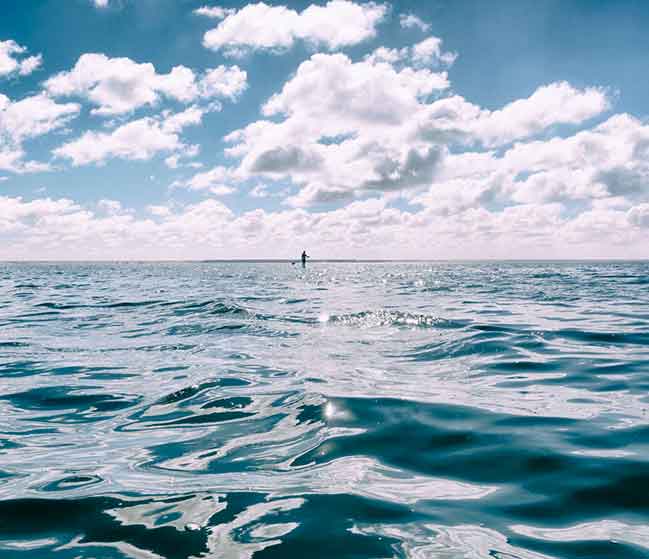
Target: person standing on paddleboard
[(304, 257)]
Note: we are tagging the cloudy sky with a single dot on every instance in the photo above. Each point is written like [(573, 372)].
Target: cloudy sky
[(180, 129)]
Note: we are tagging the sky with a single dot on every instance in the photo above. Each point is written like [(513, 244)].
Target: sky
[(445, 129)]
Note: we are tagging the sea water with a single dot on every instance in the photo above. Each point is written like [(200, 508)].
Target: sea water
[(431, 409)]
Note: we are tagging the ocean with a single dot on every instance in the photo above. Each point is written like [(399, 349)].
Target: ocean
[(346, 410)]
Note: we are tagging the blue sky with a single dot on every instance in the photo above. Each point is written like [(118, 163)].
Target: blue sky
[(438, 129)]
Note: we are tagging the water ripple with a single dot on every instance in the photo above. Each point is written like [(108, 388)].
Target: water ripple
[(474, 410)]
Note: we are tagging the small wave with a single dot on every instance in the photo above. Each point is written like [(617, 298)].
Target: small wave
[(69, 398), (371, 319), (602, 338), (115, 305), (195, 389), (129, 304), (208, 307)]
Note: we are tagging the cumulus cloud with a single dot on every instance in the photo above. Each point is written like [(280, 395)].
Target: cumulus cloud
[(608, 161), (389, 134), (54, 228), (33, 116), (425, 53), (373, 93), (16, 209), (429, 52), (598, 174), (454, 118), (14, 61), (139, 139), (354, 134), (217, 181), (120, 85), (178, 159), (26, 119), (557, 103), (337, 24), (223, 81), (410, 21), (331, 148)]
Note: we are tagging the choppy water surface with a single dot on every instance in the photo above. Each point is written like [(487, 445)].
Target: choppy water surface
[(451, 410)]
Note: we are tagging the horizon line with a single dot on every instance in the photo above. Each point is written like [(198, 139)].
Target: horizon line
[(321, 260)]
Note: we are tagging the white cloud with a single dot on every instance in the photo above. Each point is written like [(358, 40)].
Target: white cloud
[(333, 148), (410, 21), (33, 116), (355, 134), (373, 93), (173, 123), (425, 53), (16, 209), (172, 161), (598, 173), (140, 139), (224, 81), (178, 84), (429, 52), (111, 207), (177, 159), (371, 142), (12, 160), (454, 118), (47, 228), (30, 64), (121, 85), (388, 55), (159, 210), (606, 162), (214, 12), (388, 135), (557, 103), (337, 24), (12, 61), (216, 181), (25, 119)]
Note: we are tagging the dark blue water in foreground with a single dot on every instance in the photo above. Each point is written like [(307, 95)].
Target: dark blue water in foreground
[(445, 410)]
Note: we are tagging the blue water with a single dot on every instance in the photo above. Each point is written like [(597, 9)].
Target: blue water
[(445, 410)]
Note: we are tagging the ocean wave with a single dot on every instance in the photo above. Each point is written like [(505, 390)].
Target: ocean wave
[(347, 410)]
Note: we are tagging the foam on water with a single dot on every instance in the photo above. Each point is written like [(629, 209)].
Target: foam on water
[(472, 410)]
